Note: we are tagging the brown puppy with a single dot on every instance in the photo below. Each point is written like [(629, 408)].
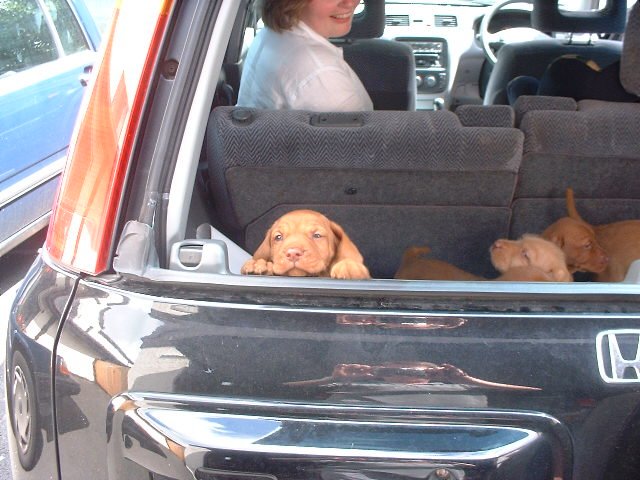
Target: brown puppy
[(415, 266), (621, 241), (305, 243), (577, 239), (530, 255)]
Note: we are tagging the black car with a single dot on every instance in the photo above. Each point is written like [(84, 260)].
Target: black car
[(137, 349)]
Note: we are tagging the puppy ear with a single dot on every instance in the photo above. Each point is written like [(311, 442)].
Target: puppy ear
[(345, 248), (558, 240), (264, 250)]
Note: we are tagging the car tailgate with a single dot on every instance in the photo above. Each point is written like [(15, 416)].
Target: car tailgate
[(230, 385)]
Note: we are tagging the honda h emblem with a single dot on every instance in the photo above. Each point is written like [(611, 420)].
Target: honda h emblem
[(618, 354)]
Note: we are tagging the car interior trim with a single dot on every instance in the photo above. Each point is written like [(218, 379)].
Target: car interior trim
[(182, 185), (364, 287)]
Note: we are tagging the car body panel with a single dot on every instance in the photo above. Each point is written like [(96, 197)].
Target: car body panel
[(39, 309), (196, 365)]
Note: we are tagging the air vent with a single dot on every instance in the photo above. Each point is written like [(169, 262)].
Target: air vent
[(397, 20), (446, 21)]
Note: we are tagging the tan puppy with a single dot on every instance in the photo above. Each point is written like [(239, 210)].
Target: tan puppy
[(530, 255), (526, 274), (621, 241), (305, 243), (416, 266), (541, 262), (577, 239)]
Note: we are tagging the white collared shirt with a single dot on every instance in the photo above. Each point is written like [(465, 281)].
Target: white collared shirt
[(299, 69)]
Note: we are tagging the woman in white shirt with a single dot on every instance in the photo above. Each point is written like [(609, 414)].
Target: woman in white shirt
[(292, 65)]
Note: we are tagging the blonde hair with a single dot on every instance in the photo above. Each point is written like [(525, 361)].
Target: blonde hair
[(280, 15)]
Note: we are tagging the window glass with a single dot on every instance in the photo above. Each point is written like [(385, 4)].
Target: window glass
[(25, 38), (67, 25)]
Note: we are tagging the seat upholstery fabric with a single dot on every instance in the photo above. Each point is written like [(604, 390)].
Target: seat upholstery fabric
[(392, 179), (532, 58), (486, 116), (385, 67), (592, 148), (630, 61), (387, 70)]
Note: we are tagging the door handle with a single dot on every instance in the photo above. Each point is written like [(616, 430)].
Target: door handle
[(85, 76)]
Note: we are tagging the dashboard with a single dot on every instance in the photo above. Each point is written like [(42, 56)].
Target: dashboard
[(450, 63)]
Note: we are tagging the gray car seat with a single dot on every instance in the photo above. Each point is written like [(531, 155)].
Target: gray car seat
[(391, 179), (386, 67), (532, 58), (590, 145)]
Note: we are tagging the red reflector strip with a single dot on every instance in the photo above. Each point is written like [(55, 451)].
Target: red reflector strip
[(82, 225)]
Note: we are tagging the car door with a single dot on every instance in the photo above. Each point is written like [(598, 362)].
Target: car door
[(47, 49)]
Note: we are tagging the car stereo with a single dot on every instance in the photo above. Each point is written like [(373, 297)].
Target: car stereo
[(431, 63)]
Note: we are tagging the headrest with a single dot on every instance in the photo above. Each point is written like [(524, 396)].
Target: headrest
[(528, 103), (486, 115), (548, 17), (630, 59), (369, 23)]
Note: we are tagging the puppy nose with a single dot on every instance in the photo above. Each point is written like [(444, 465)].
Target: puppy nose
[(293, 254)]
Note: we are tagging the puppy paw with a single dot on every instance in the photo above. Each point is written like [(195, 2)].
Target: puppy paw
[(349, 270), (257, 267)]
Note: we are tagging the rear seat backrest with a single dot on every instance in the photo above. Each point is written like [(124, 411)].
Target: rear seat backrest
[(486, 115), (527, 103), (392, 179), (592, 148)]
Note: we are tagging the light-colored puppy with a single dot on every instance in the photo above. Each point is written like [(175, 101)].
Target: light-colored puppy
[(578, 241), (529, 254), (305, 243)]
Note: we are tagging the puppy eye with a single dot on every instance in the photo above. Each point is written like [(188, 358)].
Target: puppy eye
[(317, 235), (525, 254), (278, 237), (588, 246)]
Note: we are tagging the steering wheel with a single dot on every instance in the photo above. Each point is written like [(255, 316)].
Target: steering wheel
[(508, 35)]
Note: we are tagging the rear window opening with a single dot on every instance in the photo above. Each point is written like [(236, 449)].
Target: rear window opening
[(449, 182)]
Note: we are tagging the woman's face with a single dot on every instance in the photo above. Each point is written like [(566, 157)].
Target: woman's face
[(329, 18)]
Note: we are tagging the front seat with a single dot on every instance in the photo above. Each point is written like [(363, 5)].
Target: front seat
[(630, 60), (532, 57), (386, 68)]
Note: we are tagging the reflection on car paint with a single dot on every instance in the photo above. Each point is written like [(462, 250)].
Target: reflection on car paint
[(404, 373)]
